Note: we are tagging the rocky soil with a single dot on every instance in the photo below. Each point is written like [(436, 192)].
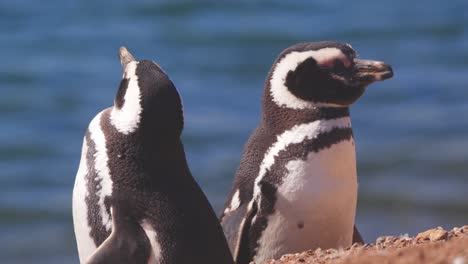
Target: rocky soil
[(432, 246)]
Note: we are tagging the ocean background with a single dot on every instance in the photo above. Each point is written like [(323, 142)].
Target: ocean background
[(59, 67)]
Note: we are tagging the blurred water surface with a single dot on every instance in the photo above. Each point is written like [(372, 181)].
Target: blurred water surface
[(59, 67)]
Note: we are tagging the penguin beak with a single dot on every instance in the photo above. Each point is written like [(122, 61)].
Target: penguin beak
[(125, 57), (368, 71)]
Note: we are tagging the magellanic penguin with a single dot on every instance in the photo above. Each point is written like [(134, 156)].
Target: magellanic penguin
[(296, 186), (135, 200)]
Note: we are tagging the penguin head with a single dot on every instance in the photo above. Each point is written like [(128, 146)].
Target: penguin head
[(322, 74), (147, 100)]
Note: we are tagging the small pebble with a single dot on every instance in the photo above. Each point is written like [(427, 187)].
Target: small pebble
[(434, 234)]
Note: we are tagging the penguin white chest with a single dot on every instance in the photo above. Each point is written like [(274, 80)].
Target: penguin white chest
[(315, 203)]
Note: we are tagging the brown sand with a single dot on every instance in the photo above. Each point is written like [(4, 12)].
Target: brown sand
[(432, 246)]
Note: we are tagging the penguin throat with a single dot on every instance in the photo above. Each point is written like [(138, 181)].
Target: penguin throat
[(329, 112), (279, 118)]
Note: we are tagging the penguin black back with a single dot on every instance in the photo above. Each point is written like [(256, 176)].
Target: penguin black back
[(135, 200)]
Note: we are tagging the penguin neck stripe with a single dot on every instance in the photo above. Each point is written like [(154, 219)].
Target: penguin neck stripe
[(296, 135), (127, 118), (301, 151), (281, 94), (101, 168)]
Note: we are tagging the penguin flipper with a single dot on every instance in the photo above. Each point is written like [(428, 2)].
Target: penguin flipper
[(236, 226), (357, 238), (127, 243), (232, 224), (106, 252)]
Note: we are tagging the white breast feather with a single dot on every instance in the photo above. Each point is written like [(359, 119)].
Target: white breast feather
[(296, 134), (85, 243), (102, 169)]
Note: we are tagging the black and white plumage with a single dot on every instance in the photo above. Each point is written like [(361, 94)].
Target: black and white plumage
[(296, 186), (134, 199)]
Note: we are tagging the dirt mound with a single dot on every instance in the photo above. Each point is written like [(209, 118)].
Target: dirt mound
[(432, 246)]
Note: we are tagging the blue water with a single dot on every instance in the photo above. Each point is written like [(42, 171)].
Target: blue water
[(59, 67)]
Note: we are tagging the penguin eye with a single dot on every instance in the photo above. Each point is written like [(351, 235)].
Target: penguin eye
[(338, 66)]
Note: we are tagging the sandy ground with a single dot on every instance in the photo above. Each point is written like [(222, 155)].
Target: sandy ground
[(432, 246)]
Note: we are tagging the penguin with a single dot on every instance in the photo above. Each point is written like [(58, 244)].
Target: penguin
[(134, 199), (296, 186)]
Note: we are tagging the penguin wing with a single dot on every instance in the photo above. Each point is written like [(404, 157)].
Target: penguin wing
[(127, 242), (236, 226), (232, 226)]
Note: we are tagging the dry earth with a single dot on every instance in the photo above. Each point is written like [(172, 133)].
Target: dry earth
[(432, 246)]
